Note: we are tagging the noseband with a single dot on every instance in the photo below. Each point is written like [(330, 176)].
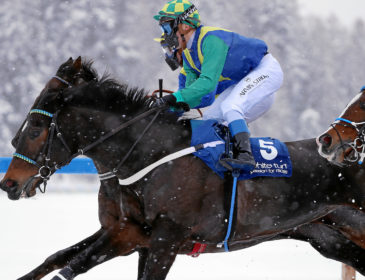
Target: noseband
[(360, 129)]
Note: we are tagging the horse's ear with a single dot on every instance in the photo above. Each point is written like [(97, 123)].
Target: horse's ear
[(77, 64), (70, 60)]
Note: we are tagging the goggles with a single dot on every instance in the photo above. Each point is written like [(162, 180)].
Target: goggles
[(166, 28), (170, 39)]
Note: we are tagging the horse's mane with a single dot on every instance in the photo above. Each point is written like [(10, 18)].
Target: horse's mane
[(101, 94), (89, 72), (109, 95), (105, 94)]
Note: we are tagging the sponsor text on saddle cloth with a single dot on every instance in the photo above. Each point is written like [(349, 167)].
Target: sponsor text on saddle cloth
[(271, 155)]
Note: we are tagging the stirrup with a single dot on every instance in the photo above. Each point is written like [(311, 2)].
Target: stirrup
[(232, 163), (223, 161)]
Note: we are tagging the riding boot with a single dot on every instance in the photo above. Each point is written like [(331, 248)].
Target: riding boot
[(244, 159)]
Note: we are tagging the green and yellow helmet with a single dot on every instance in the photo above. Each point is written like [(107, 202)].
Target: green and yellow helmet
[(180, 10)]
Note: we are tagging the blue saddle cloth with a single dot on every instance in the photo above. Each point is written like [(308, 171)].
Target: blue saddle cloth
[(271, 155)]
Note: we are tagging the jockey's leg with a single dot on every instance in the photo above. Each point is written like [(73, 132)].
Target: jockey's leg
[(246, 101), (241, 138)]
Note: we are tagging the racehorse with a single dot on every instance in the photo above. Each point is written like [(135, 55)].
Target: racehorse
[(168, 210)]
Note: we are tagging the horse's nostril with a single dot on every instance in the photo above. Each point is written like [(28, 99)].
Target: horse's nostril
[(9, 183), (326, 140)]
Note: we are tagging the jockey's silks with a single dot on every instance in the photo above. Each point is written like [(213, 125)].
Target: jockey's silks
[(217, 59)]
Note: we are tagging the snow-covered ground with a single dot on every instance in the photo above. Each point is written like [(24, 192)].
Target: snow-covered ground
[(33, 229)]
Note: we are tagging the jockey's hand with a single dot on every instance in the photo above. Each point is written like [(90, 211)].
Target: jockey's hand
[(170, 100)]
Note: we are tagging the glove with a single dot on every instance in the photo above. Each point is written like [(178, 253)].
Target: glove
[(165, 100), (170, 100)]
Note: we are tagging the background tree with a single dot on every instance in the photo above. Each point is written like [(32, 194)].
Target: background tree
[(322, 59)]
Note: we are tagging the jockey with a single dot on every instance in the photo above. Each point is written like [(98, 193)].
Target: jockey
[(218, 61)]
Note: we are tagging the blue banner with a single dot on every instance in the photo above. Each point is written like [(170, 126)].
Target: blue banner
[(76, 166)]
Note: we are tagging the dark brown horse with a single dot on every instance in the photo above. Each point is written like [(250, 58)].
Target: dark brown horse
[(179, 203)]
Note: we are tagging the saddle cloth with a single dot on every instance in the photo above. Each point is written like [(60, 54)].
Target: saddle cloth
[(271, 155)]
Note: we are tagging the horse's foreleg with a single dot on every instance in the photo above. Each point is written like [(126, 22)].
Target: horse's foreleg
[(71, 271), (61, 258), (350, 222), (143, 254), (97, 253), (166, 239), (332, 244), (113, 243)]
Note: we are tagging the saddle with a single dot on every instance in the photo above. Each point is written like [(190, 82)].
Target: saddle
[(271, 155)]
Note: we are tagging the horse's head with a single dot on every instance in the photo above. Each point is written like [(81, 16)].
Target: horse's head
[(344, 142), (77, 120), (33, 161), (69, 74), (39, 143)]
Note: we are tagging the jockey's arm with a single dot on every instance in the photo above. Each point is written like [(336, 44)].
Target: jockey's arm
[(191, 76), (215, 52)]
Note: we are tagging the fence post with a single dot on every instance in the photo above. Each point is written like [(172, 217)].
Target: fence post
[(348, 273)]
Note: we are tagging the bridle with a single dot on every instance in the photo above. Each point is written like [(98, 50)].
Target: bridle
[(64, 82), (358, 145), (45, 170)]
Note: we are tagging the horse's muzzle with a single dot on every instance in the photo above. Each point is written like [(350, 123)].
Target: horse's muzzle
[(15, 192), (11, 187), (335, 153)]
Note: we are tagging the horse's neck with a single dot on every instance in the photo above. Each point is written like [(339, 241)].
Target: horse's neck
[(162, 138)]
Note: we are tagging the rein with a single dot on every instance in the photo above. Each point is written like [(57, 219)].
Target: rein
[(360, 129), (119, 128), (45, 171)]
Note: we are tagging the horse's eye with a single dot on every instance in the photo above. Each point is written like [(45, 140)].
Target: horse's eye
[(34, 133)]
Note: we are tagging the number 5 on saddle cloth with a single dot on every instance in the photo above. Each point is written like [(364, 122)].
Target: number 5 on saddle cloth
[(271, 155)]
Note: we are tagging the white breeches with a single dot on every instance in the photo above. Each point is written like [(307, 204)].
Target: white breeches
[(252, 96)]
